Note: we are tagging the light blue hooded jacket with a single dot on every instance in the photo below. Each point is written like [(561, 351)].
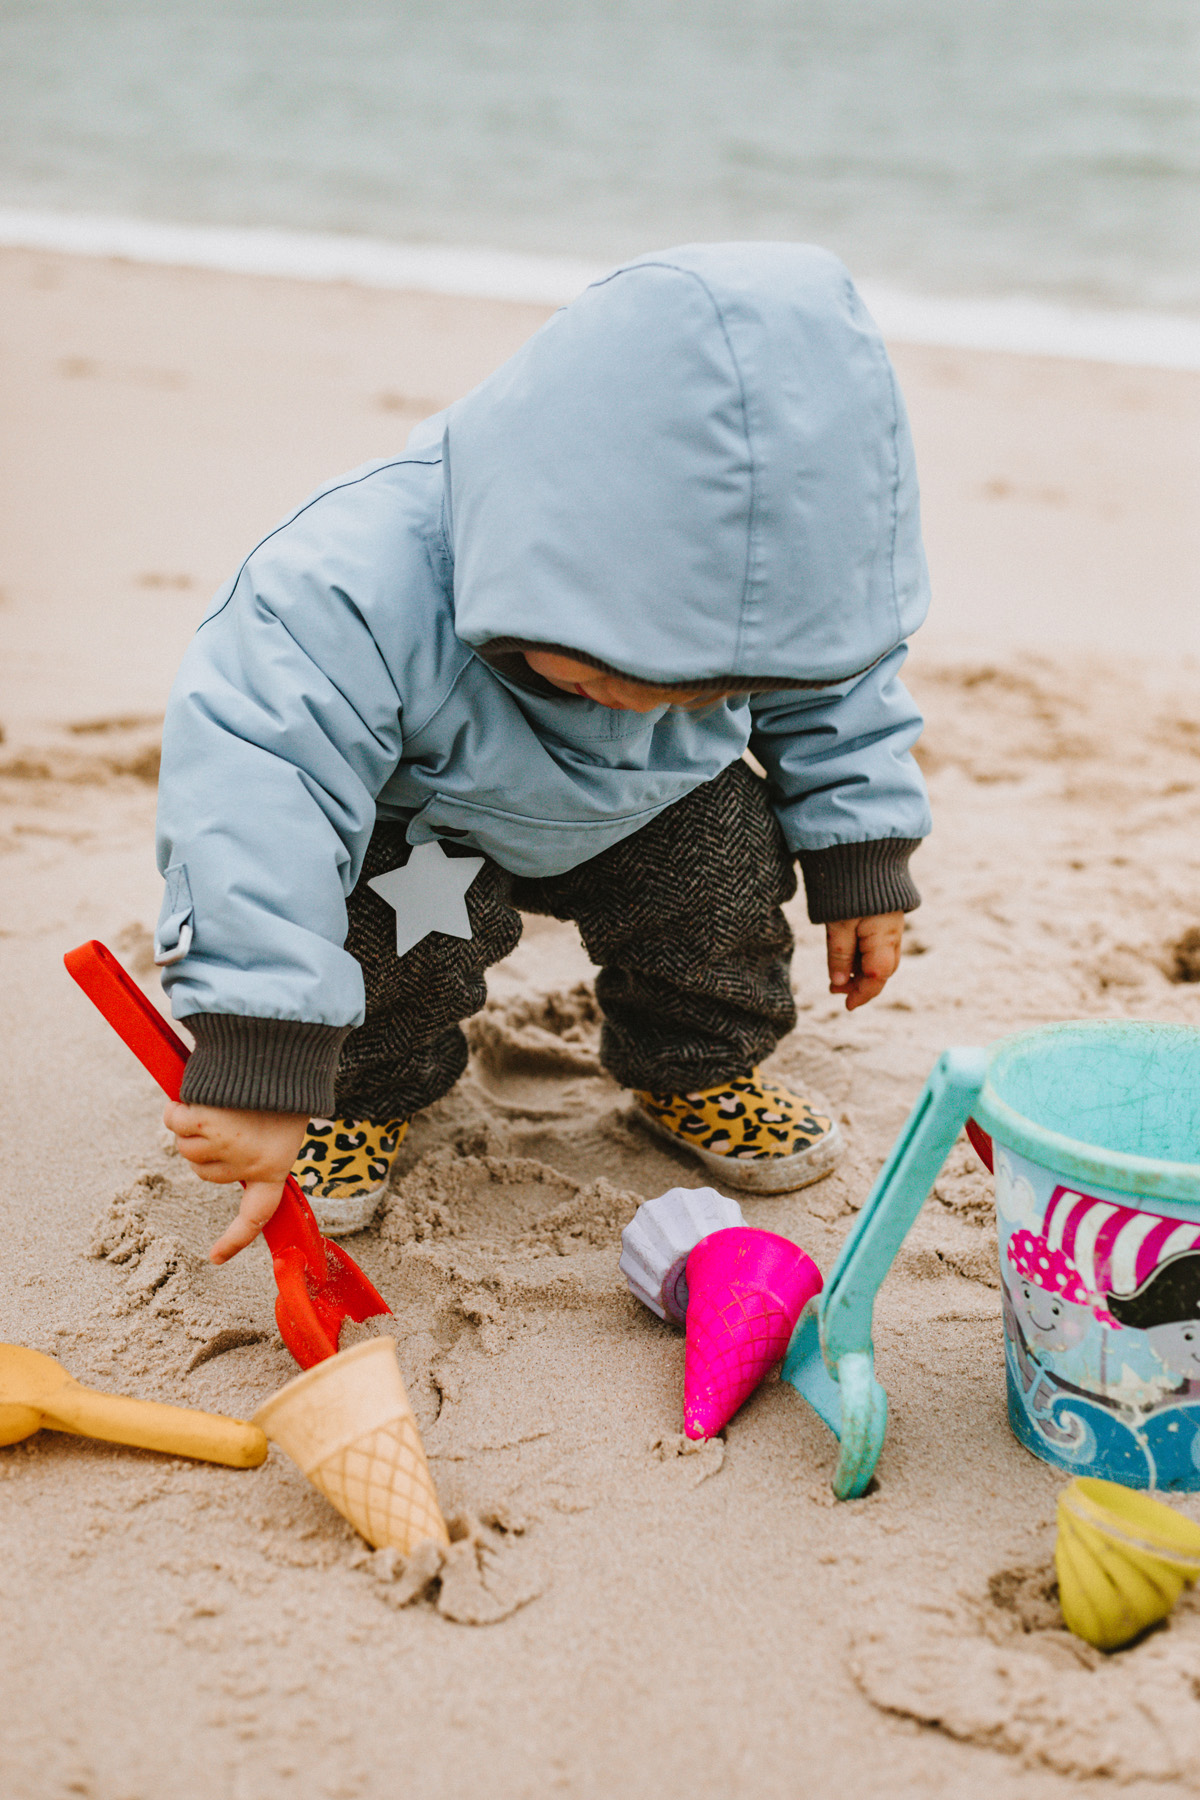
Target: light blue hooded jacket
[(700, 471)]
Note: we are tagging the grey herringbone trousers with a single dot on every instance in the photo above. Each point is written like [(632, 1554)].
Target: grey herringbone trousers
[(683, 919)]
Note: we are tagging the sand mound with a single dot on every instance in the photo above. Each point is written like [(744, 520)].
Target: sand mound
[(485, 1574), (176, 1310), (504, 1205), (553, 1034)]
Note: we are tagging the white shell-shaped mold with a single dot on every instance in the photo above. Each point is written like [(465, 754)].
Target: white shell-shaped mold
[(658, 1240)]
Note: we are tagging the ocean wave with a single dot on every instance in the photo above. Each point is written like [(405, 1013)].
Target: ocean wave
[(1015, 323)]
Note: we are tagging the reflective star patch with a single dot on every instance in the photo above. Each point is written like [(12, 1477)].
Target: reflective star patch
[(428, 894)]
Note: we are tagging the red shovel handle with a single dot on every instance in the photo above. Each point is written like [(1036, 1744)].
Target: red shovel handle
[(319, 1285), (140, 1025)]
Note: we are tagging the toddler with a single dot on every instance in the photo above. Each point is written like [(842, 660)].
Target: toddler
[(515, 669)]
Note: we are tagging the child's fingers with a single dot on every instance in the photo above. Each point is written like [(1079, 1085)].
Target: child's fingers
[(207, 1159), (258, 1204), (864, 988), (878, 958), (841, 947), (184, 1121)]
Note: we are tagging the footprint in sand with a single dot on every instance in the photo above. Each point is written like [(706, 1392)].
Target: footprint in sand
[(1004, 1673)]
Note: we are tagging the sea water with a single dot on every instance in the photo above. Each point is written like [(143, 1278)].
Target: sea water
[(948, 148)]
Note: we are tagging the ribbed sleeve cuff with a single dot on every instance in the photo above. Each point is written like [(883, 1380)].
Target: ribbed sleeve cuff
[(856, 881), (262, 1065)]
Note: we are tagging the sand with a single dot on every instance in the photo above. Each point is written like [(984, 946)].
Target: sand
[(619, 1613)]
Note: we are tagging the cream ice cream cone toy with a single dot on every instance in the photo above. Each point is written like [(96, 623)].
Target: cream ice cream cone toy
[(348, 1427), (1123, 1560)]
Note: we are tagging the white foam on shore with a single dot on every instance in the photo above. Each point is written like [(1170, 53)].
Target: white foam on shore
[(1019, 324), (306, 256), (1031, 327)]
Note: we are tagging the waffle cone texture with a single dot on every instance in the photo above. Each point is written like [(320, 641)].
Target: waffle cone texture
[(746, 1290), (347, 1425)]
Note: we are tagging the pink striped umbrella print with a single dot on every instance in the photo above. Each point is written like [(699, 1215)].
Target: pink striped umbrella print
[(1115, 1248)]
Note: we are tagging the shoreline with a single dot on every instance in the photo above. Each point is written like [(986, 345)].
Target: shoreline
[(1015, 323)]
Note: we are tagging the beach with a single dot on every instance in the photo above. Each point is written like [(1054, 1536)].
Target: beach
[(643, 1619)]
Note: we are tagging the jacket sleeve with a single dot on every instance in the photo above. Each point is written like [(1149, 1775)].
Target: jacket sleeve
[(283, 725), (846, 790)]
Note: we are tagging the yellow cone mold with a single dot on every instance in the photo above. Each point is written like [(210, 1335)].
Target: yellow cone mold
[(1123, 1560), (347, 1425)]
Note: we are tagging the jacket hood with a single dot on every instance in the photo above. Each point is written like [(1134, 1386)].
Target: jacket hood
[(700, 468)]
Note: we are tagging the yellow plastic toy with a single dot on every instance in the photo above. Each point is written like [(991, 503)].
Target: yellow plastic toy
[(1123, 1560), (347, 1425), (37, 1393)]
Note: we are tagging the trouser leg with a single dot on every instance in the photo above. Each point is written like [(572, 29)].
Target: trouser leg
[(410, 1050), (684, 920)]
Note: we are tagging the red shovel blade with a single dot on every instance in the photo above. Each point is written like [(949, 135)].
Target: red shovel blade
[(320, 1287)]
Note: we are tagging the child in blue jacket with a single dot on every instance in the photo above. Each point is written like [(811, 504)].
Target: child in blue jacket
[(516, 669)]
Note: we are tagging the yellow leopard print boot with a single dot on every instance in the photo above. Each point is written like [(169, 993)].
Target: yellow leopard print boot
[(749, 1133), (343, 1167)]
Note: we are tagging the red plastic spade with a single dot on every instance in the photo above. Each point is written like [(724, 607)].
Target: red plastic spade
[(746, 1290), (320, 1287)]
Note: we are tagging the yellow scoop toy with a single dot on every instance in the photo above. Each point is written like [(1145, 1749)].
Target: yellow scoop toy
[(37, 1393), (1123, 1560)]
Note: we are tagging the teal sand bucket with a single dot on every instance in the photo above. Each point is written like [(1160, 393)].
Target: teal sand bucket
[(1095, 1141), (1096, 1134)]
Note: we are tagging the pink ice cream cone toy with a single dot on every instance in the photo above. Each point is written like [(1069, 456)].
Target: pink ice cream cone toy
[(746, 1290)]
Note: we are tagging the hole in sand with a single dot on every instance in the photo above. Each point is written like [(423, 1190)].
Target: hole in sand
[(1183, 956), (1028, 1595)]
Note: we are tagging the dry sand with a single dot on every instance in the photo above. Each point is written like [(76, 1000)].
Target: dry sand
[(619, 1618)]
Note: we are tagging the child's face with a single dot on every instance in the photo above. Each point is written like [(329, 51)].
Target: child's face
[(614, 690)]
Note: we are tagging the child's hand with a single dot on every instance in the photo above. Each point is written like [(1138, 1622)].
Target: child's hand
[(863, 954), (258, 1148)]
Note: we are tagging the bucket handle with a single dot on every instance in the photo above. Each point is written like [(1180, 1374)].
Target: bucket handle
[(830, 1360)]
